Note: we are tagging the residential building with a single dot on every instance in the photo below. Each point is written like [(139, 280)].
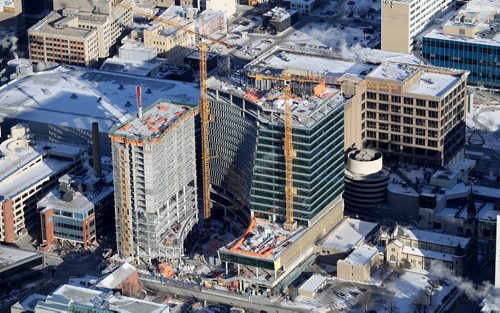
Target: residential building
[(172, 43), (154, 171), (413, 248), (403, 20), (415, 114), (77, 212), (28, 170), (470, 41), (79, 32), (11, 16)]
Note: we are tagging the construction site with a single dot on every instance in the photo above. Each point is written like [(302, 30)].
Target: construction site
[(155, 181)]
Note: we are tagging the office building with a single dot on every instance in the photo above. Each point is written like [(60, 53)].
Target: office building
[(79, 32), (470, 41), (172, 43), (77, 212), (415, 114), (154, 170), (403, 20), (28, 170)]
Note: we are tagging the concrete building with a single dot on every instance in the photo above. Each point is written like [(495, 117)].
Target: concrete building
[(470, 41), (11, 16), (415, 114), (360, 264), (226, 6), (74, 98), (413, 248), (211, 22), (18, 265), (278, 19), (311, 286), (155, 181), (79, 32), (403, 20), (365, 180), (28, 170), (172, 43), (78, 211)]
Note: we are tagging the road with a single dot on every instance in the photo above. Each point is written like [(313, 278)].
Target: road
[(255, 304)]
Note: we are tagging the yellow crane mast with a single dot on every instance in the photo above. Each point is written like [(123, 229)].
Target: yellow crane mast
[(289, 152), (204, 107)]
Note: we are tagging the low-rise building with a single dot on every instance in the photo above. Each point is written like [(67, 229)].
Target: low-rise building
[(124, 280), (76, 212), (303, 6), (28, 170), (278, 19), (360, 264), (11, 16), (18, 265), (311, 286), (470, 41), (413, 248)]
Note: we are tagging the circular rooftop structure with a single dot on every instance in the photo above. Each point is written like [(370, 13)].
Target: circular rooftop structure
[(364, 162)]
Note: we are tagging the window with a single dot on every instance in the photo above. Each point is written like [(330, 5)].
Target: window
[(408, 140), (408, 111), (395, 128), (395, 138), (395, 118), (420, 132), (371, 105), (384, 97), (407, 130), (370, 134), (408, 101), (396, 99), (420, 141), (383, 126), (371, 114), (408, 120), (383, 107), (371, 124), (395, 109), (371, 95), (421, 103), (420, 122), (433, 114), (420, 112), (383, 136), (433, 143)]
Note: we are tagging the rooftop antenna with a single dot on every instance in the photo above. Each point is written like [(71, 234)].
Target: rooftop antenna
[(138, 91)]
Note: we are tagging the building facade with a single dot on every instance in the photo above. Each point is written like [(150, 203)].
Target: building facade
[(11, 16), (469, 41), (76, 212), (415, 114), (155, 181), (403, 20), (29, 170), (79, 32)]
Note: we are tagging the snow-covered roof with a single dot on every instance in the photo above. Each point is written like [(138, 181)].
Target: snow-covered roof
[(313, 283), (430, 237), (349, 233), (428, 254), (488, 212), (11, 256), (434, 84), (361, 255), (76, 97), (489, 192), (127, 66), (117, 277), (79, 203)]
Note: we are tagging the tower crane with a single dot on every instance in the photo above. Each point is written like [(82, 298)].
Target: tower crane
[(289, 152), (205, 41)]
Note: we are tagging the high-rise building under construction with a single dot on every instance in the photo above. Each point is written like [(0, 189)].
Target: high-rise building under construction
[(155, 181)]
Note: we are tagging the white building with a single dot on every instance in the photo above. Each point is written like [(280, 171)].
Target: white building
[(226, 6), (403, 20)]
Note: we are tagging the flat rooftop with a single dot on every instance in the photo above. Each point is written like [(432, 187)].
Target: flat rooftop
[(56, 24), (122, 304), (75, 97), (132, 67), (428, 254), (263, 240), (79, 203), (351, 232), (156, 120), (393, 71), (10, 256), (361, 255), (313, 283)]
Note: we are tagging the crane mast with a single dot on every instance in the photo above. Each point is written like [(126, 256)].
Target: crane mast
[(205, 119)]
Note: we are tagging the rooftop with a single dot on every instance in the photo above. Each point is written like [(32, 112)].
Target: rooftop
[(279, 14), (313, 283), (428, 254), (156, 120), (430, 237), (393, 71), (56, 24), (351, 232), (361, 255), (79, 203), (117, 277), (434, 84), (10, 256), (75, 97), (263, 240), (89, 297), (132, 67)]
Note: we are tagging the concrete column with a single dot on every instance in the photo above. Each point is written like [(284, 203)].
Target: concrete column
[(238, 269), (227, 270), (257, 271)]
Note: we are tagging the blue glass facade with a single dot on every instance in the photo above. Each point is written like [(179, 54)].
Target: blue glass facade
[(318, 167), (482, 61)]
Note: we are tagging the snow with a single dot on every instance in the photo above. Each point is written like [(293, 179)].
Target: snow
[(433, 84), (360, 255), (350, 233), (117, 277), (76, 97), (430, 237), (313, 283), (428, 254), (483, 191), (409, 285)]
